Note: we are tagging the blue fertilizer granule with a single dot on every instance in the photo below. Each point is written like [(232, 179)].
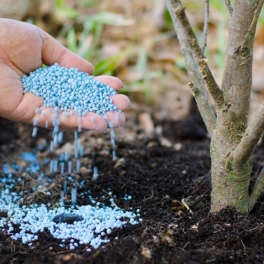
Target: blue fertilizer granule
[(69, 89)]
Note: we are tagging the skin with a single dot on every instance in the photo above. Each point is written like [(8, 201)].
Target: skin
[(24, 48)]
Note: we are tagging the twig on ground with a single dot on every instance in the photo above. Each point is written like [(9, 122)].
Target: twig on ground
[(187, 206)]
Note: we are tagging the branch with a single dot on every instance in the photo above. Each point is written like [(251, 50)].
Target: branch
[(237, 79), (196, 82), (197, 52), (250, 138), (249, 38), (206, 23), (257, 189), (229, 6)]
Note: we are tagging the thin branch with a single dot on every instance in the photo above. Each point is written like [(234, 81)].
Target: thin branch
[(252, 29), (197, 53), (196, 81), (250, 138), (229, 6), (257, 189), (206, 24)]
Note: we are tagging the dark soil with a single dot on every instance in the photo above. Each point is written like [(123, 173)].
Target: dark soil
[(158, 178)]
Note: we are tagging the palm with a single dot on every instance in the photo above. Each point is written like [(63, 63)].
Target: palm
[(24, 48)]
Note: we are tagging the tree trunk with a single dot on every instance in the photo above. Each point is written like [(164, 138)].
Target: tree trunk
[(230, 181)]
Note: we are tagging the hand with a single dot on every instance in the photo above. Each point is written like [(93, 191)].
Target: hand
[(23, 49)]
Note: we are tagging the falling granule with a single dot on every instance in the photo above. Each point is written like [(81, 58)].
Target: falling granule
[(74, 195), (51, 146), (114, 154), (95, 173), (35, 131), (35, 122), (62, 166), (78, 165), (65, 187), (62, 198), (69, 166), (66, 156)]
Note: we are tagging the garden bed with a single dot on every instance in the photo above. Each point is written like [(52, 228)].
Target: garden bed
[(158, 174)]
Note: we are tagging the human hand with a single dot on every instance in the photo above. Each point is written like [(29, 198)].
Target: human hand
[(23, 49)]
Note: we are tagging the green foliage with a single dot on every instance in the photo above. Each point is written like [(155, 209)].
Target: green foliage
[(65, 11), (86, 42)]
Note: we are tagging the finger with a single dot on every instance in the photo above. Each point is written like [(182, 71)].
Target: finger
[(111, 81), (54, 52), (121, 101)]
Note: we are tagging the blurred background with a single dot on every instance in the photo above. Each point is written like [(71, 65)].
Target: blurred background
[(135, 41)]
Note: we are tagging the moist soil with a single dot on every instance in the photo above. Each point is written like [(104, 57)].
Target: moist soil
[(158, 176)]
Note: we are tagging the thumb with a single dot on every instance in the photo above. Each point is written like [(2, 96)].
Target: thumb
[(54, 52)]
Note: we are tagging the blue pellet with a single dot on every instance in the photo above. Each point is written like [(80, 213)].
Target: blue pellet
[(95, 173), (114, 154), (76, 149), (70, 167), (35, 122), (74, 195), (62, 198), (65, 187), (34, 132), (60, 137), (113, 142), (51, 146), (75, 135), (55, 165), (81, 149), (66, 156), (55, 139), (112, 133), (51, 166), (78, 165), (62, 165)]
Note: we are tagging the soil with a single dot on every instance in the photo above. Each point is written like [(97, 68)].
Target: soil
[(158, 176)]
